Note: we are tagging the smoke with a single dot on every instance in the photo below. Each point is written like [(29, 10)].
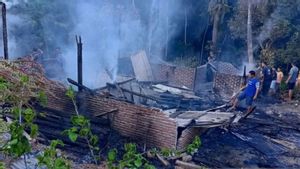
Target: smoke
[(111, 30), (280, 14), (269, 26), (108, 31)]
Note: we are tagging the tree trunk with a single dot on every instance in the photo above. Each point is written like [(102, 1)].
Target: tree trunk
[(150, 28), (185, 26), (185, 30), (215, 31), (249, 35), (167, 36)]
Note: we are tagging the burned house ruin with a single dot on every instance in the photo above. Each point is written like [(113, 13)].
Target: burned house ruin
[(155, 104), (158, 105)]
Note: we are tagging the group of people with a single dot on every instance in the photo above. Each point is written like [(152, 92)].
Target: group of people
[(270, 79)]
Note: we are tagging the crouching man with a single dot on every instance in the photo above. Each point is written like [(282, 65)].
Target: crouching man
[(249, 92)]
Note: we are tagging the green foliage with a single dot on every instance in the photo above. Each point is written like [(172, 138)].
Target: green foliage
[(111, 158), (149, 166), (4, 127), (18, 144), (4, 85), (112, 155), (131, 159), (18, 94), (50, 157), (290, 53), (81, 127), (275, 28), (166, 152), (194, 146), (42, 98), (70, 93), (29, 115), (2, 165), (38, 16)]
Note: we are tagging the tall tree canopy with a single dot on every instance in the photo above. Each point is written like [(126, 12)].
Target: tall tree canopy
[(218, 27)]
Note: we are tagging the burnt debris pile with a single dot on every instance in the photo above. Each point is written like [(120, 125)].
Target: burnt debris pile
[(165, 106), (268, 138)]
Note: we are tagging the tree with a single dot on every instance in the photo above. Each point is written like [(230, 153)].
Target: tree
[(217, 10), (249, 34), (247, 23)]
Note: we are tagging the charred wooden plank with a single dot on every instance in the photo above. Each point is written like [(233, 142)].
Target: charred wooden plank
[(105, 113), (134, 93), (187, 165), (73, 82)]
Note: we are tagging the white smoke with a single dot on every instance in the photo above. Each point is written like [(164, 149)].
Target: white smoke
[(111, 30)]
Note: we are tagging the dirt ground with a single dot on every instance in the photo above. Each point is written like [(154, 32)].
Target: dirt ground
[(270, 137)]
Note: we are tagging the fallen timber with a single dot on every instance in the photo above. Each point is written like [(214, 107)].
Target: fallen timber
[(163, 99), (54, 122), (73, 82), (182, 100)]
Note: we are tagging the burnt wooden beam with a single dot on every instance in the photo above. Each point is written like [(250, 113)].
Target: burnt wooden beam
[(79, 62), (105, 113), (154, 82), (125, 81), (132, 92), (119, 83), (120, 90), (73, 82), (187, 165), (4, 27)]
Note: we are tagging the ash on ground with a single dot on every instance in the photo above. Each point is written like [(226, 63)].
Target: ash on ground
[(269, 138)]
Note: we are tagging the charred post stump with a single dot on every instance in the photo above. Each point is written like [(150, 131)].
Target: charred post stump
[(79, 62), (244, 80), (5, 40)]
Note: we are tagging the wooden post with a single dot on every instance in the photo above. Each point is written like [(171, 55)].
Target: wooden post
[(79, 62), (5, 41), (244, 82)]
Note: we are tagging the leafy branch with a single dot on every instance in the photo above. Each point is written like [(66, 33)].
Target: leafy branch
[(51, 159), (81, 128), (131, 159), (18, 95), (194, 146)]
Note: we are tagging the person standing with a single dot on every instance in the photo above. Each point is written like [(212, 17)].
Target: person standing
[(266, 79), (273, 82), (278, 80), (249, 92), (298, 81), (292, 79)]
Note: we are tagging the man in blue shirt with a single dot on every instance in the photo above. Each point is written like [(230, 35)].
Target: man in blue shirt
[(249, 92)]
